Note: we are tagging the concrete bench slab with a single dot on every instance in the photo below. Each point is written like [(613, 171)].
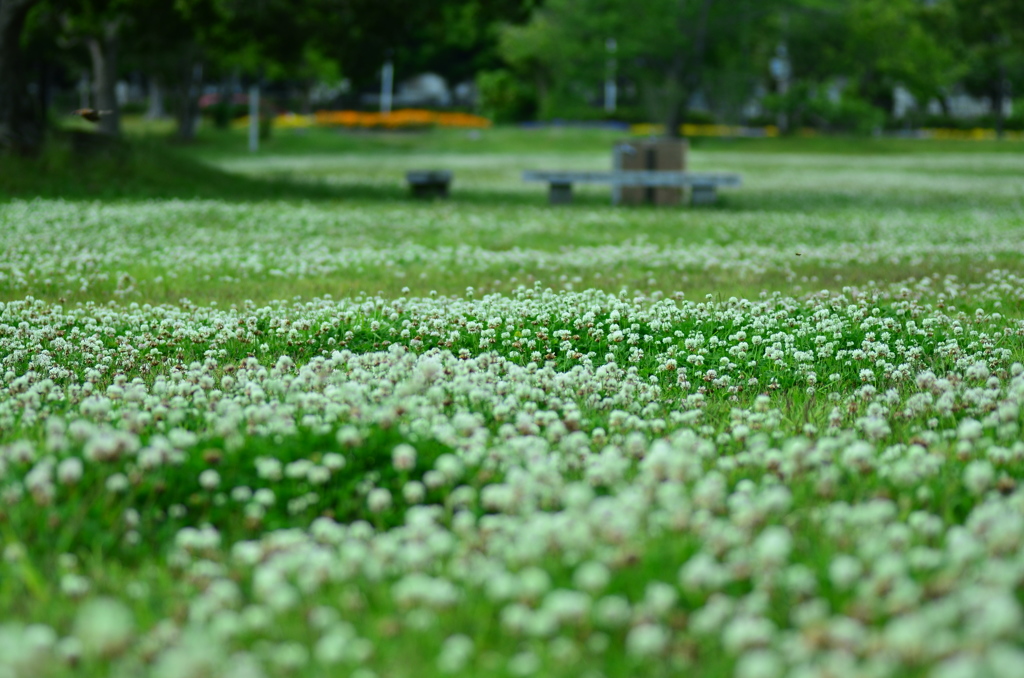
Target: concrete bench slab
[(703, 185)]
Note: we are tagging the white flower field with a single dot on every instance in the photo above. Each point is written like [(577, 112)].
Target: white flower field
[(457, 439)]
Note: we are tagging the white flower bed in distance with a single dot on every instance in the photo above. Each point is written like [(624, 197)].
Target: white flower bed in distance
[(130, 250)]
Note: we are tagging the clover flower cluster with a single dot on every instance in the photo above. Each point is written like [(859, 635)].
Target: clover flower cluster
[(799, 486), (539, 482)]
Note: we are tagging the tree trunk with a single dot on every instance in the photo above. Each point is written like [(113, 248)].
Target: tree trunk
[(675, 97), (675, 116), (44, 87), (155, 110), (103, 50), (307, 96), (188, 97), (21, 123), (686, 73), (83, 90), (998, 98)]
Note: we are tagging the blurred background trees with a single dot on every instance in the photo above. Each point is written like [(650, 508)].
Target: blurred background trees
[(839, 65)]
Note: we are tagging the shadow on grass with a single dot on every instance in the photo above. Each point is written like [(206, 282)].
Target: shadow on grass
[(85, 166), (78, 166)]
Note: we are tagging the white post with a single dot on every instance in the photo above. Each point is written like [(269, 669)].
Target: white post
[(83, 91), (387, 76), (610, 87), (616, 168), (781, 69), (254, 118)]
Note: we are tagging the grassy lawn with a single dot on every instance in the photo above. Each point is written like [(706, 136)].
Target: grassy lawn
[(266, 414)]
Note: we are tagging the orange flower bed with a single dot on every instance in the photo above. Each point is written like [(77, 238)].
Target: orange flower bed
[(406, 117)]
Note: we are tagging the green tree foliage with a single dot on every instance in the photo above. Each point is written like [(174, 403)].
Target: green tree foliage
[(864, 49), (21, 122), (669, 51), (990, 40), (888, 43)]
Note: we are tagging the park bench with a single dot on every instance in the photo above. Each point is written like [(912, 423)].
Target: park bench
[(702, 185), (429, 183)]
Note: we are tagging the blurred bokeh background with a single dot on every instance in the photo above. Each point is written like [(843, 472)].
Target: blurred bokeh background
[(744, 68)]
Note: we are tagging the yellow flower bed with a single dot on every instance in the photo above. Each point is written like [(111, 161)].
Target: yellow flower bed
[(404, 118), (408, 117), (688, 130)]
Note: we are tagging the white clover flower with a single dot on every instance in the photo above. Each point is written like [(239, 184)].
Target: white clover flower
[(844, 570), (333, 461), (117, 483), (378, 500), (196, 654), (591, 576), (969, 429), (773, 545), (403, 457), (534, 582), (659, 598), (959, 666), (209, 479), (269, 468), (74, 585), (450, 466), (70, 650), (567, 605), (523, 664), (69, 471), (542, 623), (349, 436), (759, 664), (434, 479), (414, 492), (264, 497), (745, 632), (515, 617), (1004, 660), (333, 646), (456, 651), (289, 656), (318, 475), (997, 616), (978, 476), (647, 640), (298, 468), (613, 611), (702, 572), (104, 626), (242, 665)]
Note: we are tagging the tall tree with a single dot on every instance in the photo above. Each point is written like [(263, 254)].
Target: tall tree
[(991, 37), (98, 26), (889, 43), (670, 49), (21, 121), (866, 49)]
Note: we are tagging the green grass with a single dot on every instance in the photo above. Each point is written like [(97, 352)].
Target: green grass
[(149, 292), (799, 195)]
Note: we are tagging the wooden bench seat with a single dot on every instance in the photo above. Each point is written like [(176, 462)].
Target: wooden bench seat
[(702, 185)]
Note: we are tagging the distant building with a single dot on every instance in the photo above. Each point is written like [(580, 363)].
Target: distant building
[(427, 90)]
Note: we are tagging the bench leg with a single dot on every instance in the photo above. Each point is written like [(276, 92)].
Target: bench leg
[(431, 190), (702, 195), (560, 194)]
